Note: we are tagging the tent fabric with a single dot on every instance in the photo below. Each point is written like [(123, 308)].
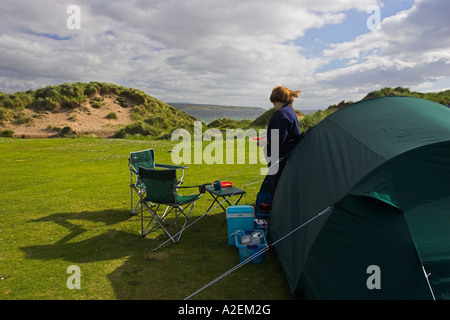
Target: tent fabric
[(384, 165)]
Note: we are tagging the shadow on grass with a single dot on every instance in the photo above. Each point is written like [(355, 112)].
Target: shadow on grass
[(172, 272)]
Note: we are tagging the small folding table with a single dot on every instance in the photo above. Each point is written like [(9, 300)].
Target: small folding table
[(226, 194)]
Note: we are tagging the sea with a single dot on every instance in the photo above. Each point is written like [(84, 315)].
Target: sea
[(209, 113)]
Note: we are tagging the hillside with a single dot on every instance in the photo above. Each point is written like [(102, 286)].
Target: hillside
[(311, 120), (93, 108), (263, 120), (109, 110), (442, 97)]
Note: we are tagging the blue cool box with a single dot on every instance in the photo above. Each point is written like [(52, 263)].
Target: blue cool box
[(240, 217), (248, 250)]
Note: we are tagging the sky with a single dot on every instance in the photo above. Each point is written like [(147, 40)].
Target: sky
[(228, 52)]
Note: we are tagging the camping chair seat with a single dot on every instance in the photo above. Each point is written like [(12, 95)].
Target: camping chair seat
[(187, 199), (162, 186), (145, 159)]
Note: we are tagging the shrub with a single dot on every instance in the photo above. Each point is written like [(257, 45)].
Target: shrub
[(5, 114), (97, 105), (112, 116), (66, 131), (6, 133), (137, 96), (52, 127), (21, 118), (122, 101), (45, 104), (141, 128), (92, 88)]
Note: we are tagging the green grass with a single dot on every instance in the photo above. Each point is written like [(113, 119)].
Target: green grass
[(66, 202)]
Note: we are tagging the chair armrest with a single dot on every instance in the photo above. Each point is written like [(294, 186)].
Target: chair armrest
[(169, 166), (201, 187), (134, 170)]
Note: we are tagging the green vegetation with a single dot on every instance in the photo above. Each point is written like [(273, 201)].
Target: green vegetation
[(153, 118), (145, 110), (225, 123), (67, 202), (6, 133), (442, 97), (112, 116), (311, 120), (263, 120)]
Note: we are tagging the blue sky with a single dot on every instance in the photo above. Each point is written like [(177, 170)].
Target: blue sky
[(230, 52), (316, 40)]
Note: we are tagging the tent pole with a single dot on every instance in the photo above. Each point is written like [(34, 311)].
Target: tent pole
[(428, 281)]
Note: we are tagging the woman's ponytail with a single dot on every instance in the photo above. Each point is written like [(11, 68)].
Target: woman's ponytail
[(284, 95)]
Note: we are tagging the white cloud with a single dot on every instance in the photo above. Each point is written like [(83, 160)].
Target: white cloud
[(216, 51), (410, 49)]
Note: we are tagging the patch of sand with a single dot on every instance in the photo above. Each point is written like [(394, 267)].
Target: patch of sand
[(86, 120)]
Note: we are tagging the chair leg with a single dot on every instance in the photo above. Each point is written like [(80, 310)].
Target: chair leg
[(131, 193), (187, 219), (157, 220), (176, 224), (134, 189), (188, 216)]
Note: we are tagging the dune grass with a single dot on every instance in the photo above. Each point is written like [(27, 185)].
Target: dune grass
[(66, 202)]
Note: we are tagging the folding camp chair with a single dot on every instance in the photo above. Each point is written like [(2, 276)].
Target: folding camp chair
[(161, 189), (146, 159)]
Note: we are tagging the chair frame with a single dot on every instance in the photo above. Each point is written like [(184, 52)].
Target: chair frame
[(136, 185), (179, 209)]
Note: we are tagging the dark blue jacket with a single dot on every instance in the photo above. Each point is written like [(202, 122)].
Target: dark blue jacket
[(285, 120)]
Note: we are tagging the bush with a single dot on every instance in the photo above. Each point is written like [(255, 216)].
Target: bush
[(66, 131), (112, 116), (16, 101), (97, 105), (122, 102), (5, 114), (156, 121), (72, 118), (92, 88), (46, 104), (141, 128), (21, 118), (137, 96), (311, 120), (6, 133), (52, 127)]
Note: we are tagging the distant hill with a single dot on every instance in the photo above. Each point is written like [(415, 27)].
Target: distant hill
[(310, 120), (210, 113), (93, 108), (263, 120), (182, 106), (442, 97)]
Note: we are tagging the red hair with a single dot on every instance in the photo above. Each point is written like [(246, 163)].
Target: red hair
[(284, 95)]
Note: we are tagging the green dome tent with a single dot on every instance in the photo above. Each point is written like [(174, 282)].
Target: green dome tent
[(382, 168)]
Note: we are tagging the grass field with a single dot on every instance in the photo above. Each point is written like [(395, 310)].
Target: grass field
[(66, 202)]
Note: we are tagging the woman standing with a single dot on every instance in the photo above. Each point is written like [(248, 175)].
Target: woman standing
[(285, 121)]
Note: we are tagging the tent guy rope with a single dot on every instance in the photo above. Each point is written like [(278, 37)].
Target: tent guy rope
[(262, 251)]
